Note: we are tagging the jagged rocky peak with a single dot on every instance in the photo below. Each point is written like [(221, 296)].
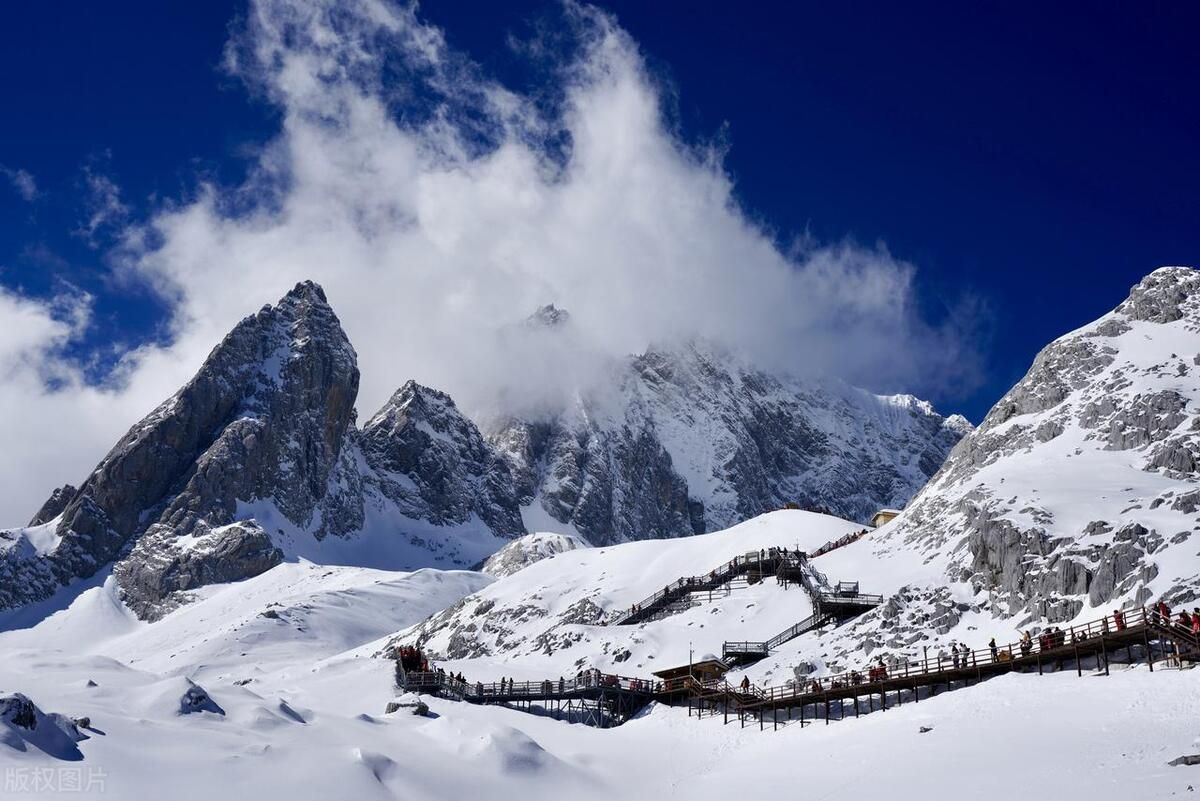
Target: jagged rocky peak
[(688, 439), (435, 465), (54, 505), (549, 316), (264, 418), (1081, 487)]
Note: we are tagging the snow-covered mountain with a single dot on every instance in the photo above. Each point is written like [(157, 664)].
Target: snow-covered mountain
[(265, 417), (1080, 489), (258, 459), (1079, 493), (691, 439), (1080, 482)]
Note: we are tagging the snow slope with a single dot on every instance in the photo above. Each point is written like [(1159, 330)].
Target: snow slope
[(543, 620), (318, 732), (297, 702)]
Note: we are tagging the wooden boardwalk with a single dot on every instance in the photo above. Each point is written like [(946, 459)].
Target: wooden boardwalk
[(605, 699), (1140, 634), (601, 699), (787, 566), (751, 567)]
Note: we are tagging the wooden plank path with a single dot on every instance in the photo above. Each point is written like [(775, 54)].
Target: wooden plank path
[(607, 699), (1137, 631)]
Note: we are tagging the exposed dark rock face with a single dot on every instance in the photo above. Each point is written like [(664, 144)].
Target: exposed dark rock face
[(54, 505), (434, 464)]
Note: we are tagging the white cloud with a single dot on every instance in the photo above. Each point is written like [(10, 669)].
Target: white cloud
[(22, 181), (434, 228), (104, 208)]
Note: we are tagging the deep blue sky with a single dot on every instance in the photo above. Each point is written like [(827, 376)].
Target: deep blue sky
[(1041, 156)]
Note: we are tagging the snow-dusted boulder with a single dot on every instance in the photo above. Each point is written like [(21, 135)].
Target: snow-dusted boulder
[(196, 699), (524, 551), (24, 726)]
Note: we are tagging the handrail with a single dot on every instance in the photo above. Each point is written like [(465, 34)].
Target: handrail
[(790, 633), (841, 542), (723, 574), (861, 598), (588, 680), (1009, 653)]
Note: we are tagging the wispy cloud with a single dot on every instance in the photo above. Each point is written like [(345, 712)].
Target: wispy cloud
[(104, 211), (22, 181)]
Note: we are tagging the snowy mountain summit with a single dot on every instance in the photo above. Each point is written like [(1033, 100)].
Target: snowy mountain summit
[(1081, 487), (258, 459), (690, 439), (265, 416)]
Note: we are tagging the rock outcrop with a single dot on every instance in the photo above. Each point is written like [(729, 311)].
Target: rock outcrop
[(54, 505), (530, 549)]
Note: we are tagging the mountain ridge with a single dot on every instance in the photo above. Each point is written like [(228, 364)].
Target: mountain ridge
[(259, 458)]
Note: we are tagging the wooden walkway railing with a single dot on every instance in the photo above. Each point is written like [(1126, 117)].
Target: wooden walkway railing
[(755, 565), (1097, 639), (590, 682), (791, 565)]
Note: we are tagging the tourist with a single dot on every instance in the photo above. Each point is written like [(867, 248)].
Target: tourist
[(1119, 619), (1026, 643), (992, 647), (1196, 621)]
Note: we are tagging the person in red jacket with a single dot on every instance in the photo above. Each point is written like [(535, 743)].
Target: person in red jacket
[(1196, 621), (1164, 612)]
